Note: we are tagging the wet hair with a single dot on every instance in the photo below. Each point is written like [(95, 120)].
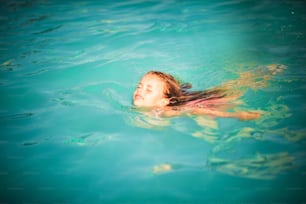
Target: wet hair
[(180, 94)]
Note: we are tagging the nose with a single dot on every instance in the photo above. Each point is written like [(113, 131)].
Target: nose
[(139, 91)]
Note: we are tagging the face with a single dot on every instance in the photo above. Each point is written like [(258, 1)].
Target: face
[(150, 92)]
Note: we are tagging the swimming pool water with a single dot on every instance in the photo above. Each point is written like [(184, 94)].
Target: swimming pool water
[(69, 133)]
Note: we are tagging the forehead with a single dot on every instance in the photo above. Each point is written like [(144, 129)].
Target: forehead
[(151, 79)]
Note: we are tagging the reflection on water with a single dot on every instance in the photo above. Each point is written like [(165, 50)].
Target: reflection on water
[(273, 115), (260, 166), (161, 168), (209, 129), (266, 128)]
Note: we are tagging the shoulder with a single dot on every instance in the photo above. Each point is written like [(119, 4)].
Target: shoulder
[(172, 111)]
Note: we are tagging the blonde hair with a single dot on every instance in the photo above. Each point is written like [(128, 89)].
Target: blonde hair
[(179, 94)]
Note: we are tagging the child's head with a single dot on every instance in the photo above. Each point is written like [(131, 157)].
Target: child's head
[(156, 89)]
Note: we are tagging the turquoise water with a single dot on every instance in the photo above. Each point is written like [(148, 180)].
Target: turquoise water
[(68, 130)]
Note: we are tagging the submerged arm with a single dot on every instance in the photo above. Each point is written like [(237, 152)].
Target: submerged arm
[(243, 115)]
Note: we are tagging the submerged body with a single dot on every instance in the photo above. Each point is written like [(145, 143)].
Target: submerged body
[(163, 95)]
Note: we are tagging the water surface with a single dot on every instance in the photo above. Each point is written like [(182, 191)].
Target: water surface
[(69, 133)]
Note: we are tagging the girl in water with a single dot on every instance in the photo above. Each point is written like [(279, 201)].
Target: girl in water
[(160, 94)]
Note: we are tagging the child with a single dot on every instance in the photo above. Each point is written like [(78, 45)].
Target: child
[(163, 95)]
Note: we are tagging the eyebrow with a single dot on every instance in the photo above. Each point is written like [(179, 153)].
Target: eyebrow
[(148, 86)]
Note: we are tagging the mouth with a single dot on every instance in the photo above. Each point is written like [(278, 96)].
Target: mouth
[(138, 97)]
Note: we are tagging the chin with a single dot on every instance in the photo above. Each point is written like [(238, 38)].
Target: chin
[(136, 103)]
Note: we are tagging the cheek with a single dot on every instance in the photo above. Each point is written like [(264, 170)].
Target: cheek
[(154, 98)]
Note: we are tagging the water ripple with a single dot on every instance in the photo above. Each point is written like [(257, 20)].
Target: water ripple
[(48, 30), (16, 116)]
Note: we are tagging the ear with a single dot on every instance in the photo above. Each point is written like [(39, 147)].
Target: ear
[(164, 101)]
